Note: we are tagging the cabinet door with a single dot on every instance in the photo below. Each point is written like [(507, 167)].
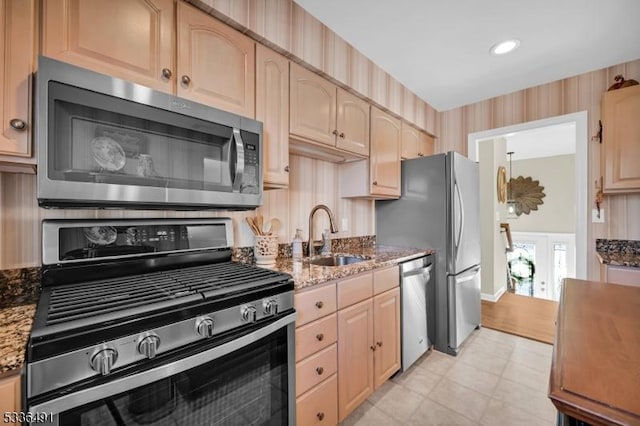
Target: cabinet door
[(352, 123), (17, 43), (272, 108), (10, 394), (385, 154), (386, 332), (216, 64), (313, 107), (355, 356), (410, 141), (129, 39), (426, 145), (621, 140)]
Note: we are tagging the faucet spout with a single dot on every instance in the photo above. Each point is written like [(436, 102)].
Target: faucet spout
[(332, 225)]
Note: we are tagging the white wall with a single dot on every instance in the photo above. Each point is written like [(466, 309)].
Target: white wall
[(558, 177), (492, 154)]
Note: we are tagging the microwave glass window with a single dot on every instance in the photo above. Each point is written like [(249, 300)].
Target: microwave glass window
[(118, 143)]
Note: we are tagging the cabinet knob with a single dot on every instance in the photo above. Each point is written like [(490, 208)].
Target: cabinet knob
[(320, 337), (18, 124), (375, 183), (185, 80), (319, 304), (335, 132), (379, 344), (320, 416), (372, 347), (286, 169), (166, 73), (420, 154), (319, 370), (341, 135)]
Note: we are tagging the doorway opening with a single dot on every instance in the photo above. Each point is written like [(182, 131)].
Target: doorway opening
[(557, 249)]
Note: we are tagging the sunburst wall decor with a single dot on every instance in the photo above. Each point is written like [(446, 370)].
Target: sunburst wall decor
[(526, 193)]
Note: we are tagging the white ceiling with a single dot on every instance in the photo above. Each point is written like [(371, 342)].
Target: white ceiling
[(440, 49), (549, 141)]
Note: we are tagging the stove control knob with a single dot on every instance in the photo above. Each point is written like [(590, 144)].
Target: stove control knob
[(270, 307), (148, 345), (249, 313), (103, 360), (204, 327)]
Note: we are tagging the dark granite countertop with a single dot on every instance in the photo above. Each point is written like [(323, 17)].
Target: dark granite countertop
[(307, 275), (618, 252), (19, 292)]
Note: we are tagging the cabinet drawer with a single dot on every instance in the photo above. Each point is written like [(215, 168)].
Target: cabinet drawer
[(315, 336), (314, 304), (316, 368), (319, 406), (354, 290), (386, 279)]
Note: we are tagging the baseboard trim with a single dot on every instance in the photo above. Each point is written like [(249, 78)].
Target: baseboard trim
[(493, 297)]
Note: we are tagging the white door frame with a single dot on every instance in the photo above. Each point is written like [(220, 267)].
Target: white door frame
[(582, 208)]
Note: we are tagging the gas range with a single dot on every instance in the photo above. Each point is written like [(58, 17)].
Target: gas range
[(122, 298)]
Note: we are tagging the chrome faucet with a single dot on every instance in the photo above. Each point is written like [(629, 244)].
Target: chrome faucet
[(332, 225)]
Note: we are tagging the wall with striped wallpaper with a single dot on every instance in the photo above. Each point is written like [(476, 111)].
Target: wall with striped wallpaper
[(579, 93)]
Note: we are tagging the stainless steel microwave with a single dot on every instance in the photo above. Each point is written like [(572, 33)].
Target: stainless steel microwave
[(106, 142)]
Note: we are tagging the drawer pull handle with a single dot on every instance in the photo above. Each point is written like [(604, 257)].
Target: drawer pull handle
[(186, 80), (341, 135), (320, 337), (379, 344), (319, 304), (166, 73), (335, 133), (375, 183), (372, 347), (319, 370), (320, 416), (286, 169)]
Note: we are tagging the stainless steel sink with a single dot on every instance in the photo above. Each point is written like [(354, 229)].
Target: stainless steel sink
[(337, 260)]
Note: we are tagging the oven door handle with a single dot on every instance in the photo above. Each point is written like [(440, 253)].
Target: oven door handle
[(85, 396)]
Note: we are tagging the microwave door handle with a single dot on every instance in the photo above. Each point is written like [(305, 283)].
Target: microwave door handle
[(239, 160)]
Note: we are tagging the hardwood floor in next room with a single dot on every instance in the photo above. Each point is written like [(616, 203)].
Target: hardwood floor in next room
[(497, 379), (524, 316)]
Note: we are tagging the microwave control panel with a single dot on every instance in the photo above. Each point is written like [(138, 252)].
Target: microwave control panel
[(250, 183)]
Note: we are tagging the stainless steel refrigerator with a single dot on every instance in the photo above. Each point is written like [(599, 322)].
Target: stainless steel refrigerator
[(439, 209)]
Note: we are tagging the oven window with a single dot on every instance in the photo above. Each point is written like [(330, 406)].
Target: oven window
[(98, 138), (246, 387)]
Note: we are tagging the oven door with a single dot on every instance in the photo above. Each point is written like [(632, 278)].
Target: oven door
[(248, 380)]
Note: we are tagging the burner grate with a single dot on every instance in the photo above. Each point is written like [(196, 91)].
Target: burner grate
[(87, 301)]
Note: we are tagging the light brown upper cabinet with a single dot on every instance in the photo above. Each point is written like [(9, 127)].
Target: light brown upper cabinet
[(621, 140), (272, 108), (136, 40), (379, 176), (129, 39), (416, 143), (324, 114), (216, 64), (17, 44)]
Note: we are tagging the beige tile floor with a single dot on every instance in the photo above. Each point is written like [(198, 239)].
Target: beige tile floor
[(497, 379)]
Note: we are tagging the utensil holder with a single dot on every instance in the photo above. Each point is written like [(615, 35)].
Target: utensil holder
[(265, 249)]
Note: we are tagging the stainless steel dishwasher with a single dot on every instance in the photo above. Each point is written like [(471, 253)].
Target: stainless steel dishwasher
[(416, 284)]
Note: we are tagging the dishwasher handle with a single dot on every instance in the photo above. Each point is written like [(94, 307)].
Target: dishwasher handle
[(420, 271)]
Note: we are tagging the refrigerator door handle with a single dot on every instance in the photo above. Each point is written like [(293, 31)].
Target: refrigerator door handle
[(461, 226)]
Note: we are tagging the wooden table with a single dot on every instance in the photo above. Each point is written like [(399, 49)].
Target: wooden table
[(595, 372)]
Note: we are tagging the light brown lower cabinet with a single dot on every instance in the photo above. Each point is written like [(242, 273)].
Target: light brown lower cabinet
[(350, 327), (10, 395), (625, 275), (319, 405)]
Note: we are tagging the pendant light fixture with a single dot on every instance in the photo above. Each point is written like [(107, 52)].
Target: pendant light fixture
[(511, 202)]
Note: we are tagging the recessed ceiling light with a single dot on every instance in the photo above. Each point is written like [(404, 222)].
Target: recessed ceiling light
[(505, 47)]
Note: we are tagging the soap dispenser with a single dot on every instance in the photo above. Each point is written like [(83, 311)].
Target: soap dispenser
[(296, 249)]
